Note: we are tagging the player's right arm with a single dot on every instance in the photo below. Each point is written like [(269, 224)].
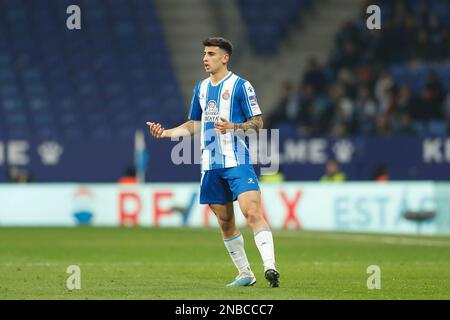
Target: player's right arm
[(188, 128)]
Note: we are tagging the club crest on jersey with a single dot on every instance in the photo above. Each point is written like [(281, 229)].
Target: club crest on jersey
[(226, 95)]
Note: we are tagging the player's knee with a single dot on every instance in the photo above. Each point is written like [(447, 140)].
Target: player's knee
[(253, 214)]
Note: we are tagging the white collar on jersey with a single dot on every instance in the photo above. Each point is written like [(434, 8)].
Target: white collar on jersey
[(223, 79)]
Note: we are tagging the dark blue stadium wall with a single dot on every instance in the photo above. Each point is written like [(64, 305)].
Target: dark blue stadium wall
[(301, 159)]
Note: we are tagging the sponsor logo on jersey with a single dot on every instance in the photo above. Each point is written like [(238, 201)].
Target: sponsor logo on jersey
[(212, 107), (212, 112), (252, 100)]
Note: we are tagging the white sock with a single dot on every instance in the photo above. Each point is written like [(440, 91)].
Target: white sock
[(264, 242), (235, 247)]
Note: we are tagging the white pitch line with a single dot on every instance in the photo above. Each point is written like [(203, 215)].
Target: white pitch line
[(369, 238)]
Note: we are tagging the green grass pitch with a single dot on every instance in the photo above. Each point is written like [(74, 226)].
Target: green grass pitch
[(177, 263)]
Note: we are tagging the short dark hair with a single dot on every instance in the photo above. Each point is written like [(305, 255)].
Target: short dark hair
[(220, 42)]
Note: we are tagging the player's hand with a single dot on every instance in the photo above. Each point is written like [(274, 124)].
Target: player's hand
[(224, 126), (156, 130)]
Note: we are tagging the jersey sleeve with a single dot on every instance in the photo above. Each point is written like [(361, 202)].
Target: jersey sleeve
[(249, 103), (195, 113)]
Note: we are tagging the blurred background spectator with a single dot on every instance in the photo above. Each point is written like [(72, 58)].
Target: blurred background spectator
[(333, 172), (19, 175), (380, 173), (129, 176)]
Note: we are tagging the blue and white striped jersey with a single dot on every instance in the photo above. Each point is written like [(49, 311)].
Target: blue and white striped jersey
[(234, 99)]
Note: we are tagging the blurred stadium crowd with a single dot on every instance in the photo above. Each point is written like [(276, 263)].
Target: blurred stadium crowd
[(393, 81)]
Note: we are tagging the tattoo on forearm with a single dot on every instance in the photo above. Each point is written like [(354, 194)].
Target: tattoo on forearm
[(255, 123)]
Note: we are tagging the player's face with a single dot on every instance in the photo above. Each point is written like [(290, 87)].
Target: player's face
[(214, 59)]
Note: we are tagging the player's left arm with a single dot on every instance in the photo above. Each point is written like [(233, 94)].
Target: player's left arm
[(254, 123), (250, 108)]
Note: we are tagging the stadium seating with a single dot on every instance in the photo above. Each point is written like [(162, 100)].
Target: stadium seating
[(102, 81), (268, 21), (415, 77)]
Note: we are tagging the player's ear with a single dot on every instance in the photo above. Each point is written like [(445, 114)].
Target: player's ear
[(226, 58)]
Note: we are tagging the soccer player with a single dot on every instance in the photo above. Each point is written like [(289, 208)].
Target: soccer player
[(224, 106)]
